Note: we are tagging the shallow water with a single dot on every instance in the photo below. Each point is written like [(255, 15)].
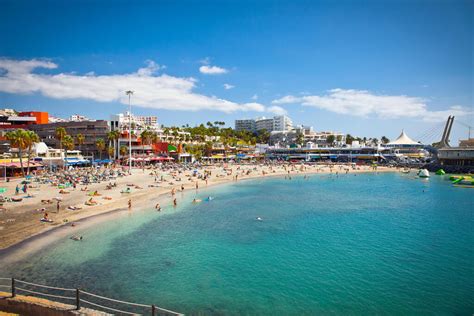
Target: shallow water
[(364, 244)]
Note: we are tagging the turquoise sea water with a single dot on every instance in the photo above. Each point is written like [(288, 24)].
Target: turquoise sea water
[(366, 244)]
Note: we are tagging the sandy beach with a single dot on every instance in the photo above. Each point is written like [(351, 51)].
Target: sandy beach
[(21, 220)]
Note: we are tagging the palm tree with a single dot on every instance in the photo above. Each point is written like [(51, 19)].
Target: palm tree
[(116, 138), (59, 134), (100, 144), (330, 139), (144, 137), (17, 139), (68, 143), (113, 136), (123, 150), (166, 131), (80, 140), (111, 152), (30, 139)]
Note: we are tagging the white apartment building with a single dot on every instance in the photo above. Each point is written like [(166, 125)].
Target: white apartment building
[(264, 123), (282, 123), (279, 123), (121, 122), (245, 125)]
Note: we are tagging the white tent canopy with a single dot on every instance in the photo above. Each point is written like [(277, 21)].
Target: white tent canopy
[(403, 139)]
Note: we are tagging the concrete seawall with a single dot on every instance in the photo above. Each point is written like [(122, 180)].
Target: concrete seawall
[(28, 305)]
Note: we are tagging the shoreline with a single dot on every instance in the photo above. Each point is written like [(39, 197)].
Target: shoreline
[(39, 240)]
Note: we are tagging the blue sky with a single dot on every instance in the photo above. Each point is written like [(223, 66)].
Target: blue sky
[(368, 68)]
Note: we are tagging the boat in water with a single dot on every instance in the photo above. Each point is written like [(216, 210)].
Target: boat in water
[(423, 173)]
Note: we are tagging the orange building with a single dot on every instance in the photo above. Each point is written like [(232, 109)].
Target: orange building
[(23, 120), (41, 117)]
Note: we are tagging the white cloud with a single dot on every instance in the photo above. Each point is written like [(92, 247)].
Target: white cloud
[(151, 90), (364, 103), (212, 70), (255, 97), (228, 86), (252, 106), (277, 110), (150, 69), (205, 61)]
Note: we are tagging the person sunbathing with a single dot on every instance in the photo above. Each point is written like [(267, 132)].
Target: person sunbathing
[(74, 208), (46, 201), (46, 218), (91, 202), (63, 191)]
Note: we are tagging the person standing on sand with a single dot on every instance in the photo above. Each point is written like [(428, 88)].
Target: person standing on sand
[(57, 206), (158, 207), (197, 185), (129, 203), (182, 187), (175, 203)]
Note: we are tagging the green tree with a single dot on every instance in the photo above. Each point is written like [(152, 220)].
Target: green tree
[(59, 134), (80, 139), (300, 139), (330, 139), (100, 144), (263, 136), (111, 152), (68, 143), (385, 140), (17, 139), (146, 137), (31, 138), (349, 139), (113, 137), (123, 150)]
